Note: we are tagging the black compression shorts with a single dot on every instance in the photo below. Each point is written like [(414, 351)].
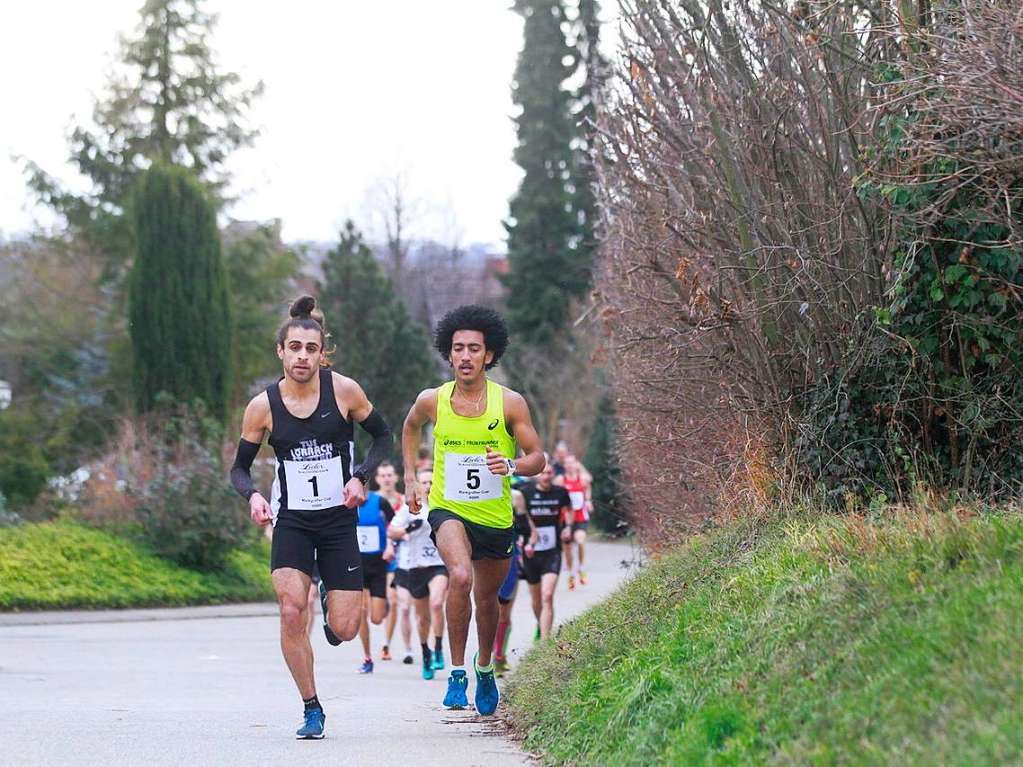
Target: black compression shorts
[(374, 575), (333, 551)]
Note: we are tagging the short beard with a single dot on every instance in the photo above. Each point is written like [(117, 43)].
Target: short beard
[(293, 377)]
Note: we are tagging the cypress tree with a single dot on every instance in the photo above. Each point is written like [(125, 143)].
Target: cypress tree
[(179, 312), (594, 68), (602, 462), (544, 259), (378, 344)]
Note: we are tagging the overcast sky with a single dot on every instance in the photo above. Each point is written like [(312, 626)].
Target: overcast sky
[(355, 92)]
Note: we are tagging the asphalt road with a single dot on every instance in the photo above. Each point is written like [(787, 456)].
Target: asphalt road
[(208, 686)]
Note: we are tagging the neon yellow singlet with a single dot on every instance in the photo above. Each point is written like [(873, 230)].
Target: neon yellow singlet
[(462, 483)]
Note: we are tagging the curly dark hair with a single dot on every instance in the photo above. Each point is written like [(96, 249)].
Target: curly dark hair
[(481, 318)]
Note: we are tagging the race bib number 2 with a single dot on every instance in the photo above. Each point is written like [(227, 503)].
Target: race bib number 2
[(314, 485), (467, 479), (369, 538)]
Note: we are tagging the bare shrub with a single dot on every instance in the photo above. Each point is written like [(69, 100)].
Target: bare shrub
[(739, 260)]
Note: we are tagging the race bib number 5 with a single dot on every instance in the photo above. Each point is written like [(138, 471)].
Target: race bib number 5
[(467, 479), (313, 485)]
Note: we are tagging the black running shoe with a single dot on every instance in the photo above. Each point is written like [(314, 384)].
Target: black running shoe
[(332, 638)]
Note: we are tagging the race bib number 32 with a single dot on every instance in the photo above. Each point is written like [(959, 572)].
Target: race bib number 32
[(467, 479), (314, 485)]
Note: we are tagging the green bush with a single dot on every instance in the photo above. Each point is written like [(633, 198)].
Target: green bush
[(23, 465), (63, 564), (187, 510)]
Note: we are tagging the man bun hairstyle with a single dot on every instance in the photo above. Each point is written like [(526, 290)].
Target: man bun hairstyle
[(473, 317), (304, 314)]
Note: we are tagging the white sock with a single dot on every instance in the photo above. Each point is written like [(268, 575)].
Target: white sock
[(458, 668)]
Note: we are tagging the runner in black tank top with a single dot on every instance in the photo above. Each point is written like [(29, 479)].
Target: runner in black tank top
[(316, 454), (549, 507), (309, 416), (313, 465)]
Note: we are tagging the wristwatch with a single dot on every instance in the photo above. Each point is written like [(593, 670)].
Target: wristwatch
[(360, 475), (510, 464)]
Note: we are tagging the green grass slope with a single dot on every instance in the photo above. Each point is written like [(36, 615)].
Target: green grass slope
[(64, 565), (837, 641)]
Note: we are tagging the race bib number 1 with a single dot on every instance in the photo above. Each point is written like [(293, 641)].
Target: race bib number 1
[(467, 479), (314, 485)]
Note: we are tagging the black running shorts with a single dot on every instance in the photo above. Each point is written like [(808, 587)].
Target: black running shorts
[(584, 526), (486, 542), (333, 550), (419, 579), (541, 563), (400, 579), (374, 575)]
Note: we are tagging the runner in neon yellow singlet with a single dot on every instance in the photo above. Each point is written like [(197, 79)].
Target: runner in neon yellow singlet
[(479, 428), (462, 484)]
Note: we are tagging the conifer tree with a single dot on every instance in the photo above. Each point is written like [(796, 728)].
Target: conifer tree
[(179, 313), (546, 268), (377, 343), (594, 70), (168, 100), (602, 462)]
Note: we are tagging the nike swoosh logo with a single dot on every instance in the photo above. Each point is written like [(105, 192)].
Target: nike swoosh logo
[(353, 569), (492, 425), (324, 415)]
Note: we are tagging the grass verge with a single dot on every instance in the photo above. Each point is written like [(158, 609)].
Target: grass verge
[(63, 564), (833, 641)]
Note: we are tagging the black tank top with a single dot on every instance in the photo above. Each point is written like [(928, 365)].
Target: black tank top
[(314, 459)]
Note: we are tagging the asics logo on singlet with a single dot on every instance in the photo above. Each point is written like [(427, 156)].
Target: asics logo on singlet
[(493, 424)]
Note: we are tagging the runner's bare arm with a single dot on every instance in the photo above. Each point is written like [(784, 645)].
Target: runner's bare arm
[(255, 424), (352, 399), (520, 426), (567, 515), (424, 409)]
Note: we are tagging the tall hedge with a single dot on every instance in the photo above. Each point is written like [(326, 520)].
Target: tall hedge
[(179, 313)]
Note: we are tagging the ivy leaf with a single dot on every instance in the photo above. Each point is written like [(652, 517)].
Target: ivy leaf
[(954, 273), (937, 294)]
